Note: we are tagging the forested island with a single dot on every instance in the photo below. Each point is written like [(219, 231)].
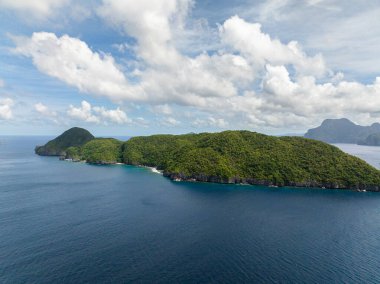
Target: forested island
[(241, 157)]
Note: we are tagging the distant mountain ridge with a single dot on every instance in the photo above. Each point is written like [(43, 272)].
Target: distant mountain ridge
[(343, 131)]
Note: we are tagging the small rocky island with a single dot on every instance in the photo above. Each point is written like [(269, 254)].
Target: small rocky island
[(241, 157)]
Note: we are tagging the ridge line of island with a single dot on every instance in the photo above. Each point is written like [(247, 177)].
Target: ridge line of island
[(231, 157)]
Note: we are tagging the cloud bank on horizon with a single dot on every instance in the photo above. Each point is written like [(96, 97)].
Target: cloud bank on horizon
[(171, 66)]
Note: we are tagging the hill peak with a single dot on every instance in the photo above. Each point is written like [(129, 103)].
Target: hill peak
[(342, 130), (75, 136)]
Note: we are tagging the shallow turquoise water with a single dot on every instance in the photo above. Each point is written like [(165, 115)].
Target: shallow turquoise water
[(75, 223)]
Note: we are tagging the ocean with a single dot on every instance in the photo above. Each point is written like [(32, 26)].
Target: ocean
[(63, 222)]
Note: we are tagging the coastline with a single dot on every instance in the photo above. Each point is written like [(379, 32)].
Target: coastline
[(252, 181), (154, 170), (244, 181)]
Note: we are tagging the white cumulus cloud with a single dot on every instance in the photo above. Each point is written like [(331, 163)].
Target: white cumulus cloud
[(248, 79), (170, 75), (260, 48), (169, 122), (150, 22), (39, 8), (6, 109), (210, 122), (113, 115), (88, 113), (84, 113), (162, 109), (73, 62), (44, 110)]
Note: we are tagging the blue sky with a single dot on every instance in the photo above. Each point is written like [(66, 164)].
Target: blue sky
[(177, 66)]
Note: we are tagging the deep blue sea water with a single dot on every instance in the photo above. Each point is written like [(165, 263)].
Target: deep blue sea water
[(64, 222)]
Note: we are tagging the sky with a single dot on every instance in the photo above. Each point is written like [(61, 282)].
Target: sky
[(126, 68)]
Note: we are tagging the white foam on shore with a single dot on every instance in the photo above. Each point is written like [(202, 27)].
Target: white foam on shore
[(154, 170)]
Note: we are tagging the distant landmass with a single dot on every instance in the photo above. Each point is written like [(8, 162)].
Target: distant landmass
[(371, 140), (241, 157), (345, 131)]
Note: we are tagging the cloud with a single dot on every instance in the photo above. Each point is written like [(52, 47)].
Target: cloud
[(187, 81), (271, 9), (150, 22), (169, 122), (162, 109), (194, 79), (73, 62), (297, 103), (304, 97), (6, 109), (210, 122), (324, 4), (44, 110), (39, 9), (114, 115), (259, 48), (96, 114), (140, 121), (47, 113), (2, 83), (356, 50), (342, 30), (83, 113), (122, 47), (249, 79), (170, 75)]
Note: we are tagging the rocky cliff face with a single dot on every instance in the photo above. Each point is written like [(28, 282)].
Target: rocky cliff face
[(252, 181)]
